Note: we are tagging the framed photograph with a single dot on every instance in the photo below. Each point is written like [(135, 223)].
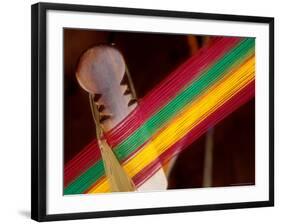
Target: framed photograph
[(138, 111)]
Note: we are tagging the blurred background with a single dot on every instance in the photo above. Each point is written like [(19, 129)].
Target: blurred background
[(150, 58)]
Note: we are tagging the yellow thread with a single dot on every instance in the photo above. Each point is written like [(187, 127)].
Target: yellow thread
[(187, 119)]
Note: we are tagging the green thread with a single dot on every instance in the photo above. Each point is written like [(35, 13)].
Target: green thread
[(233, 58)]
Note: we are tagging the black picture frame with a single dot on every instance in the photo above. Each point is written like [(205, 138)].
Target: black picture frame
[(39, 122)]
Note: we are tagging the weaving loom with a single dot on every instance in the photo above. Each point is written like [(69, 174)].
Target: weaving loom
[(197, 95)]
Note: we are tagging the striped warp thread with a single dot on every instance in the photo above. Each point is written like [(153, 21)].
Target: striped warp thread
[(196, 96)]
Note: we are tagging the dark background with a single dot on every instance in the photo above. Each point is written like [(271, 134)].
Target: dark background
[(150, 58)]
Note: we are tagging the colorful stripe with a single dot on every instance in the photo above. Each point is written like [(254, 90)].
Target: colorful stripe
[(151, 103), (192, 97)]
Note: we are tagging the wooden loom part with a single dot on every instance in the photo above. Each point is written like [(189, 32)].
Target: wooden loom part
[(100, 72), (103, 73)]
